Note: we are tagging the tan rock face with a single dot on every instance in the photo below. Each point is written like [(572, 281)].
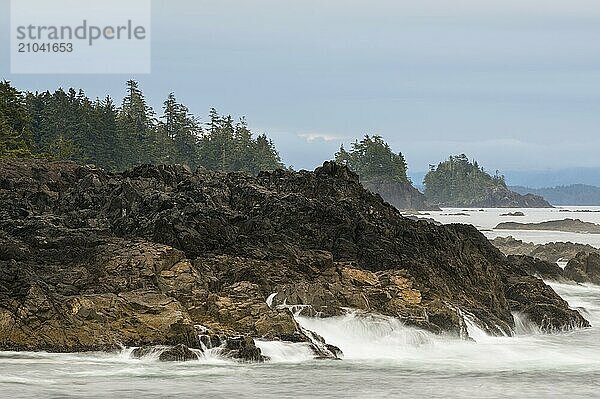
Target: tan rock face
[(406, 294), (401, 282), (411, 296), (360, 277), (276, 324), (137, 313)]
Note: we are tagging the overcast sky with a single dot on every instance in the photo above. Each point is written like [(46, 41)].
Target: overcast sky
[(515, 84)]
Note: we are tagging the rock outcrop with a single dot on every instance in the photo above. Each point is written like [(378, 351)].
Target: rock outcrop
[(584, 268), (159, 255), (518, 213), (402, 195), (540, 260), (552, 252), (498, 197), (568, 225), (502, 197), (537, 267), (177, 353)]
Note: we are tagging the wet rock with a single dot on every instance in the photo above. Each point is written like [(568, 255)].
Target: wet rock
[(544, 307), (90, 260), (337, 352), (178, 353), (212, 341), (538, 267), (584, 268), (243, 348), (550, 252)]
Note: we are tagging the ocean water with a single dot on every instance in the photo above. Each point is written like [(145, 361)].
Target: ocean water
[(383, 359), (486, 219)]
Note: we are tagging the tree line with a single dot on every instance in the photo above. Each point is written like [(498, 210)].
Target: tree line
[(68, 125), (459, 180), (373, 159)]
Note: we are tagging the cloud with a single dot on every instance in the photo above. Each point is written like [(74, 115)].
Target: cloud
[(310, 137)]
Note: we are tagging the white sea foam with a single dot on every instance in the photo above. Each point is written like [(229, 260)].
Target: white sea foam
[(279, 351), (487, 219)]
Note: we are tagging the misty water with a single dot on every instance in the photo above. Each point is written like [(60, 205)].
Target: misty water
[(383, 358)]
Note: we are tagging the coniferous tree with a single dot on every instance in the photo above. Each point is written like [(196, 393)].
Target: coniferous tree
[(266, 156), (182, 129), (458, 180), (230, 147), (243, 157), (68, 125), (372, 158), (216, 145), (135, 126), (15, 134), (107, 154)]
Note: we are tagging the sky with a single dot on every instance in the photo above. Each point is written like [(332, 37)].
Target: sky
[(513, 84)]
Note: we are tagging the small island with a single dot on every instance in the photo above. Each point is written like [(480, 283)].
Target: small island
[(567, 225), (514, 214), (383, 172), (459, 182)]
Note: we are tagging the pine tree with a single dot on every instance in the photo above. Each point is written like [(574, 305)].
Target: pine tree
[(107, 153), (372, 158), (68, 125), (458, 180), (15, 134), (266, 156), (182, 129), (135, 124)]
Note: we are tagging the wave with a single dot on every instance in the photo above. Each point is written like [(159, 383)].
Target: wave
[(368, 336), (280, 352)]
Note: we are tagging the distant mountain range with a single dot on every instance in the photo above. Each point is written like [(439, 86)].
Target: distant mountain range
[(553, 178), (574, 194)]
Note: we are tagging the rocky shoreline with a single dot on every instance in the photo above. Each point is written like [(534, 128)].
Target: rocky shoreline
[(159, 255), (551, 252), (567, 225), (500, 197), (582, 262)]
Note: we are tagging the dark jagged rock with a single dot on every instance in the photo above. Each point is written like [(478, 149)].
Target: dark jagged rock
[(584, 268), (243, 348), (212, 341), (537, 267), (402, 195), (91, 260), (542, 306), (178, 353), (551, 252), (337, 352), (513, 214)]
